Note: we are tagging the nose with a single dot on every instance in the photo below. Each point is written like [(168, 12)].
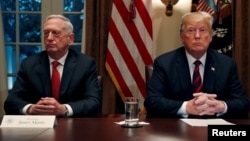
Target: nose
[(50, 36), (197, 34)]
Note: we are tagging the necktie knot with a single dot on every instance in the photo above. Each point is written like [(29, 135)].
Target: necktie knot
[(197, 63), (55, 64)]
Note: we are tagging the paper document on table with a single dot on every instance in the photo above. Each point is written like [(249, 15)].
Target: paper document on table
[(140, 122), (206, 122)]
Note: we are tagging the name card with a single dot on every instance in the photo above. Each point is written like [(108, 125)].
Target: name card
[(28, 121)]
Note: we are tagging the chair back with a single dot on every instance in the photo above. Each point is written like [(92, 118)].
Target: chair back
[(99, 80), (148, 73)]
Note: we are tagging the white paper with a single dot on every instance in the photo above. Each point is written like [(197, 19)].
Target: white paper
[(206, 122), (28, 121), (140, 123)]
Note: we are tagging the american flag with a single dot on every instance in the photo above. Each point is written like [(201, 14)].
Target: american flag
[(130, 45), (203, 6)]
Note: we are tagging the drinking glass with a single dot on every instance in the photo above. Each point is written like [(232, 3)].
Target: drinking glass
[(131, 111)]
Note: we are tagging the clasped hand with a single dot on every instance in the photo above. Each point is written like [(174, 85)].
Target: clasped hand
[(47, 106), (204, 104)]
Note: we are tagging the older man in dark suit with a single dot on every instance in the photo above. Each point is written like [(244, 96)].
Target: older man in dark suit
[(172, 90), (77, 93)]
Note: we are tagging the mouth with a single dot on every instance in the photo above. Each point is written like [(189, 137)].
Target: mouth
[(198, 44), (50, 45)]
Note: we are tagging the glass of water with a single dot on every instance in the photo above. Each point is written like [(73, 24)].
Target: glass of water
[(131, 111)]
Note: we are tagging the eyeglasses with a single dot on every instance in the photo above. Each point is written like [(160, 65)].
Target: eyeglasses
[(192, 30)]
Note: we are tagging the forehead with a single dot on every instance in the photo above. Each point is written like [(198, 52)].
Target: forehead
[(55, 24), (196, 23)]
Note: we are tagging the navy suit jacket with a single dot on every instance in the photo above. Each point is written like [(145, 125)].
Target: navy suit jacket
[(79, 84), (170, 84)]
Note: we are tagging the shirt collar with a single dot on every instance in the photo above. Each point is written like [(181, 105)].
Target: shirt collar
[(191, 59), (61, 60)]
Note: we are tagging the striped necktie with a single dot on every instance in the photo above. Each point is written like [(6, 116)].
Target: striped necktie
[(197, 84)]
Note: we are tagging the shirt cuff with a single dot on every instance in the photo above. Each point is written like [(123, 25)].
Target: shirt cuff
[(222, 113), (69, 110), (25, 109), (182, 111)]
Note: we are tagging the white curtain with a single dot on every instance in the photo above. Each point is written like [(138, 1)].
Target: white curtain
[(3, 76)]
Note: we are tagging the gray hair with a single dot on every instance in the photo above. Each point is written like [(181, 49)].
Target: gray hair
[(198, 16), (67, 23)]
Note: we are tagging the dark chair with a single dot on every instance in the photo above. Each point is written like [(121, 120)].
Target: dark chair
[(148, 73), (99, 80), (99, 114)]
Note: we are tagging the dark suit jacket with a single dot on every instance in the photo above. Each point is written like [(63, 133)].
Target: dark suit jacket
[(170, 84), (79, 84)]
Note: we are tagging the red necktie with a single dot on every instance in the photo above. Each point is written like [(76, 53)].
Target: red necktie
[(197, 84), (55, 80)]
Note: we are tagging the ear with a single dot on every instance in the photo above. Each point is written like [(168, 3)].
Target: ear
[(71, 38), (211, 37), (181, 38)]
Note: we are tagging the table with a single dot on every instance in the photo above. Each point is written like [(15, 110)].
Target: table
[(104, 129)]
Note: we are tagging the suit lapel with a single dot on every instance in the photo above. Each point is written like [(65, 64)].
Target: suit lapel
[(183, 73), (68, 70), (43, 70), (209, 73)]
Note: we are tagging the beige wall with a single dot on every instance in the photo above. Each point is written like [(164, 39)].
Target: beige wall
[(3, 81), (166, 28)]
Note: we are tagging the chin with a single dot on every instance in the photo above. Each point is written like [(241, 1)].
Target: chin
[(51, 49), (199, 48)]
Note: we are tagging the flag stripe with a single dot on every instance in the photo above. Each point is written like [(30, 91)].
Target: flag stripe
[(133, 31), (145, 15), (127, 56), (203, 6), (126, 74), (130, 46), (119, 81)]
